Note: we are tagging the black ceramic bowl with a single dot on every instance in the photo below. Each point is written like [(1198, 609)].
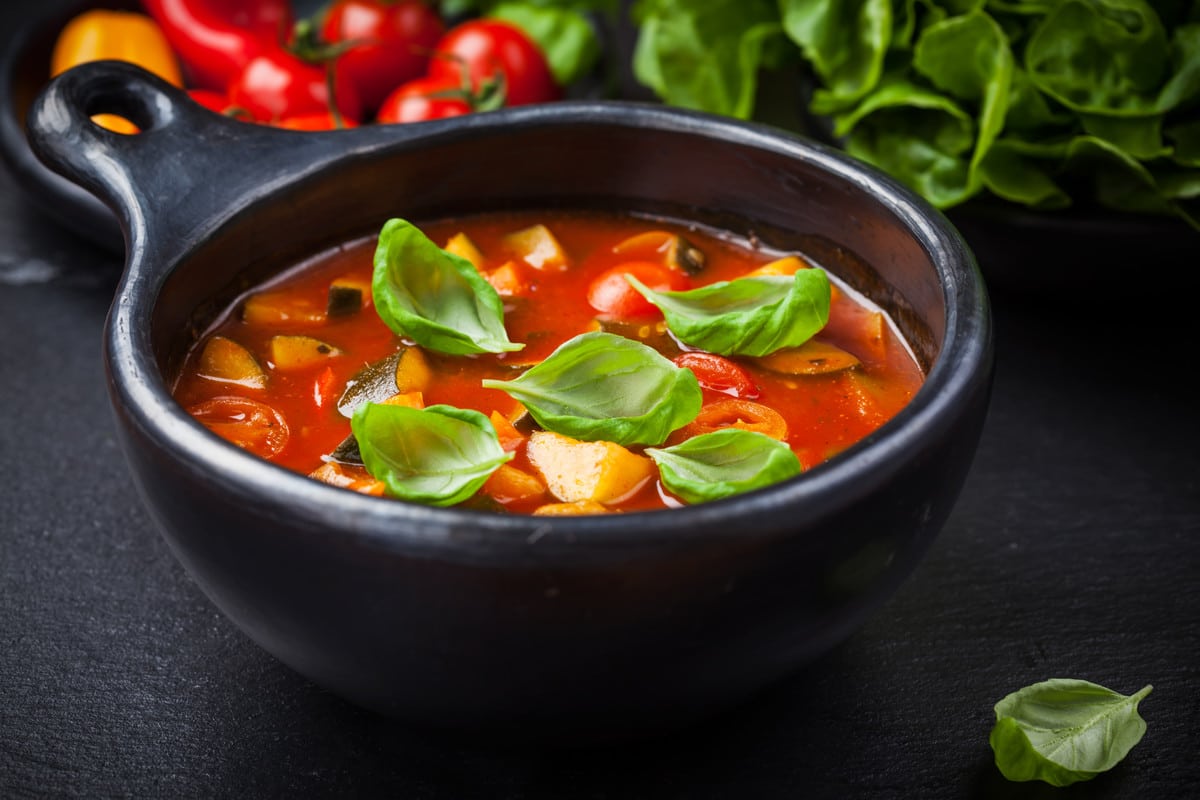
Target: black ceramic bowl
[(603, 625)]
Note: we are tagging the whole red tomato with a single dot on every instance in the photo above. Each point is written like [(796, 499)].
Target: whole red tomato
[(423, 99), (321, 121), (488, 46), (395, 39), (277, 84)]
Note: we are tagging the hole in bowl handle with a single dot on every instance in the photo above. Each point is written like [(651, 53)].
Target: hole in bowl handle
[(62, 134)]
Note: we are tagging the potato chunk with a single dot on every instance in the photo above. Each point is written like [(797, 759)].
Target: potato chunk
[(602, 472), (538, 248), (461, 245)]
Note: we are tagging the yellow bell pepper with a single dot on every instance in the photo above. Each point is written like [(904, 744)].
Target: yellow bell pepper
[(123, 35)]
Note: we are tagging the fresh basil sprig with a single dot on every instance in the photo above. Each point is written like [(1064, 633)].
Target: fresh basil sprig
[(440, 455), (437, 299), (746, 316), (1064, 730), (599, 386), (723, 463)]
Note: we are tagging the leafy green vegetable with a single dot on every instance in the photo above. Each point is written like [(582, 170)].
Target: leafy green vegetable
[(599, 386), (704, 54), (747, 316), (722, 463), (845, 41), (1063, 730), (440, 455), (437, 299), (1021, 99)]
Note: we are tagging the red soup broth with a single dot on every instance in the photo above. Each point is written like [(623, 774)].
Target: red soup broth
[(858, 371)]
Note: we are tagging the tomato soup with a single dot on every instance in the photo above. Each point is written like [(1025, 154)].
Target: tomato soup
[(588, 363)]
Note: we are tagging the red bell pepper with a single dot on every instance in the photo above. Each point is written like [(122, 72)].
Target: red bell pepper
[(214, 39)]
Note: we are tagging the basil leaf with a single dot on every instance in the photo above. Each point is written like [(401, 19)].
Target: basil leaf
[(723, 463), (600, 386), (437, 299), (438, 455), (1064, 730), (747, 316)]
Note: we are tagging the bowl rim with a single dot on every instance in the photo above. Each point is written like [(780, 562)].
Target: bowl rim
[(392, 526)]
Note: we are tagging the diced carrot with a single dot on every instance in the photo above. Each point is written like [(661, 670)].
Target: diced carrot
[(508, 484), (511, 439), (508, 280), (406, 399), (325, 388)]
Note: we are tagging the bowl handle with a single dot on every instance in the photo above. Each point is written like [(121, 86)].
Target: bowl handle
[(165, 182)]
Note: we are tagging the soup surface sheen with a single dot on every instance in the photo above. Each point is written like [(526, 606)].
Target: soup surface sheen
[(276, 373)]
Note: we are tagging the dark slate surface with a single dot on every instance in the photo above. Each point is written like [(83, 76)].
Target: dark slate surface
[(1074, 551)]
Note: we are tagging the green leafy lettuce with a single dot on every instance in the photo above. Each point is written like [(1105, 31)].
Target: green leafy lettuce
[(1044, 104)]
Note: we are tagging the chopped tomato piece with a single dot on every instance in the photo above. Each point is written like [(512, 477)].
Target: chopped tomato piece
[(611, 294), (719, 374), (744, 414), (249, 424)]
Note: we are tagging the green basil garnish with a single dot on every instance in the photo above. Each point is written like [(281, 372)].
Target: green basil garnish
[(1064, 730), (437, 299), (438, 455), (747, 316), (599, 386), (723, 463)]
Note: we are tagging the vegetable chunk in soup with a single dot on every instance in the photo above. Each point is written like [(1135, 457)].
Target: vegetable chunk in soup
[(555, 363)]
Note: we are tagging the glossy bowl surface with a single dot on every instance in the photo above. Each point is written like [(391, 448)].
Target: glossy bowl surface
[(555, 627)]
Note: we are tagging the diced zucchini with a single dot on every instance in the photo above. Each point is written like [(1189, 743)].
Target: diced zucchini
[(538, 248), (461, 245), (811, 358), (281, 308), (672, 249), (402, 372), (225, 360), (293, 353), (347, 296), (602, 472)]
